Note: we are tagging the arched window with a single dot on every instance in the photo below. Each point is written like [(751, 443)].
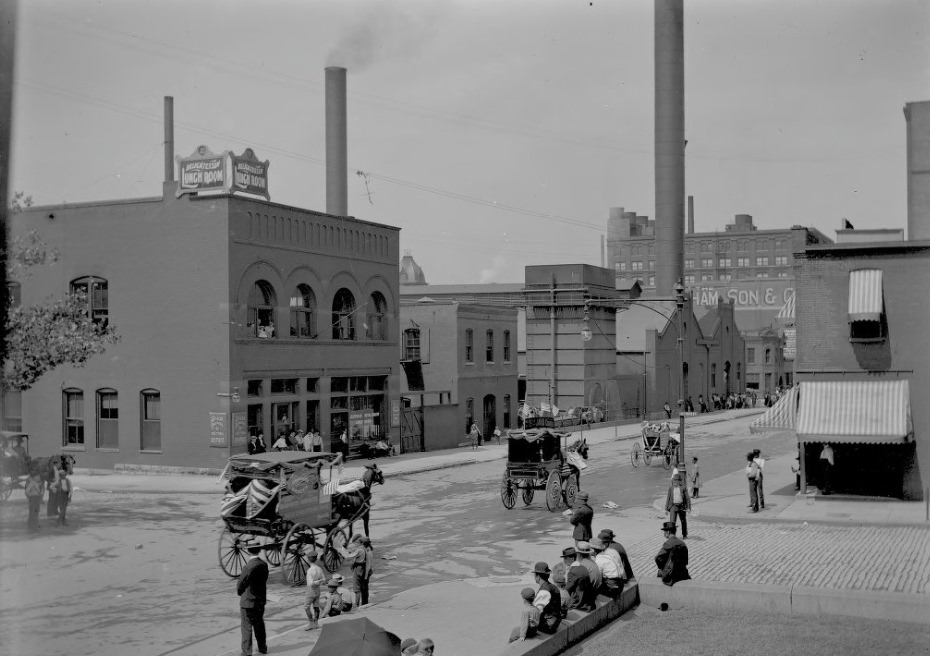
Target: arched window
[(98, 301), (73, 414), (261, 310), (303, 307), (150, 414), (377, 328), (107, 419), (344, 315)]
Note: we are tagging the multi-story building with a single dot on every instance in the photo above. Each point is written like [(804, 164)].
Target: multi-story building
[(751, 267), (237, 316)]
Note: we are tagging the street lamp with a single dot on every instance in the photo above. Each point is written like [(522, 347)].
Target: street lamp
[(680, 302)]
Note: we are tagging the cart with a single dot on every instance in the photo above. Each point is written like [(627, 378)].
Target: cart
[(657, 440), (16, 463), (536, 460), (279, 500)]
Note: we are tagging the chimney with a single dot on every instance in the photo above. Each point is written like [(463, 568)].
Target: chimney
[(690, 215), (336, 142), (169, 139), (669, 144)]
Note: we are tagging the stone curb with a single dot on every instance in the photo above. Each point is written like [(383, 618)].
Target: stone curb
[(788, 600), (576, 627)]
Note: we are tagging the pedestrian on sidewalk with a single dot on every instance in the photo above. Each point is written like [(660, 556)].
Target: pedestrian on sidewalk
[(497, 434), (796, 469), (252, 590), (672, 559), (547, 599), (826, 469), (35, 490), (315, 578), (581, 518), (668, 409), (694, 478), (475, 434), (752, 470), (760, 491), (529, 618), (677, 503)]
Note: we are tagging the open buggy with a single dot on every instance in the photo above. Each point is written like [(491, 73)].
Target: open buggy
[(16, 463), (539, 458), (656, 440), (281, 500)]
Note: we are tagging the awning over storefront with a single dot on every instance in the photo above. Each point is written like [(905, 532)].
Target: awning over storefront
[(786, 313), (865, 295), (861, 412), (780, 417)]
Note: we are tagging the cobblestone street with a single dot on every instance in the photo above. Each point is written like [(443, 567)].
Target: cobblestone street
[(873, 558)]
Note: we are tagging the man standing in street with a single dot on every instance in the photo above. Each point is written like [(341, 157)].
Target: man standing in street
[(361, 569), (35, 489), (760, 492), (672, 559), (252, 597), (694, 477), (315, 579), (752, 470), (677, 503), (581, 518), (826, 469)]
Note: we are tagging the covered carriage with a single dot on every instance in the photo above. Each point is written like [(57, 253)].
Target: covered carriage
[(657, 440), (539, 458)]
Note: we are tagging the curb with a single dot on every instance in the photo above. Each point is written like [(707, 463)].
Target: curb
[(794, 600)]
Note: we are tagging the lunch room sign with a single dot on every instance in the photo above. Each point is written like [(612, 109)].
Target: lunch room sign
[(206, 171)]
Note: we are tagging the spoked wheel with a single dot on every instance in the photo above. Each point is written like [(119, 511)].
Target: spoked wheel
[(553, 491), (647, 457), (298, 545), (570, 489), (232, 554), (528, 490), (6, 488), (272, 551), (636, 454), (508, 492), (335, 549)]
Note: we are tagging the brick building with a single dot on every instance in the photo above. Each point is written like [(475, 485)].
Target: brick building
[(237, 315)]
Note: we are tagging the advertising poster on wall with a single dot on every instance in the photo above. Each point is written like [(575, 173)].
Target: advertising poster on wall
[(240, 429), (219, 436)]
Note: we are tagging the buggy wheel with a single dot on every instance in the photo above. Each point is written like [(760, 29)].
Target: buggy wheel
[(636, 454), (528, 494), (6, 488), (571, 490), (231, 552), (508, 492), (553, 491), (299, 543), (272, 551), (335, 549)]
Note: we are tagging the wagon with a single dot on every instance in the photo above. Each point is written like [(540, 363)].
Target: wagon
[(16, 463), (279, 500), (536, 460), (656, 440)]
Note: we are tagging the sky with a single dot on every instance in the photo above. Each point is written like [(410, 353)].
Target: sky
[(495, 133)]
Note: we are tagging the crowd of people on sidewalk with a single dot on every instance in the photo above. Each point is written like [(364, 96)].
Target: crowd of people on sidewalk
[(312, 442)]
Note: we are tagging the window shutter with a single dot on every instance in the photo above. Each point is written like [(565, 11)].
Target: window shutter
[(424, 345)]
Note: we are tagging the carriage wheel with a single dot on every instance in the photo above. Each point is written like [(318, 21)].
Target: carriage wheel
[(6, 488), (571, 490), (508, 492), (636, 454), (553, 491), (232, 555), (528, 494), (272, 551), (299, 543), (334, 549)]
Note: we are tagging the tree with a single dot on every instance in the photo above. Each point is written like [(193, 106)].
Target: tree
[(42, 337)]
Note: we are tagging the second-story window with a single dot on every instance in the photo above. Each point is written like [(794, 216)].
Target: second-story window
[(506, 346), (469, 345), (344, 315), (376, 328), (489, 347), (98, 299), (261, 309), (412, 344), (303, 305)]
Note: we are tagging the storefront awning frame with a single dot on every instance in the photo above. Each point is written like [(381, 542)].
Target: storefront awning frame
[(855, 412)]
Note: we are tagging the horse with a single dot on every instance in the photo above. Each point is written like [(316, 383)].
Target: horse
[(354, 505)]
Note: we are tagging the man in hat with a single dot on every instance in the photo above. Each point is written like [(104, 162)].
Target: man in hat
[(760, 461), (361, 568), (579, 583), (315, 579), (694, 478), (585, 556), (559, 578), (331, 601), (547, 599), (529, 618), (677, 502), (672, 559), (581, 518), (607, 535), (611, 570), (252, 588)]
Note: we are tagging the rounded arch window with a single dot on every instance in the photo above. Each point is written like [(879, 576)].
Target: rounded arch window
[(376, 327), (261, 310), (303, 310), (344, 315)]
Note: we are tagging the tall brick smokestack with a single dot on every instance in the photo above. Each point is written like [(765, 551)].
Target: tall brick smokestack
[(669, 144), (337, 194)]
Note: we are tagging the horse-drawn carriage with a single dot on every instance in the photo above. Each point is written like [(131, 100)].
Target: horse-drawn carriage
[(539, 458), (280, 499), (656, 440), (16, 463)]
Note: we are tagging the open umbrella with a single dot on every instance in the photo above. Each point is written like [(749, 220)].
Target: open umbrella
[(356, 637)]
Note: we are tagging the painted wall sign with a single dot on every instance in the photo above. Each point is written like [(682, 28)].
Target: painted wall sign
[(249, 175), (219, 436), (395, 412), (744, 294), (204, 170)]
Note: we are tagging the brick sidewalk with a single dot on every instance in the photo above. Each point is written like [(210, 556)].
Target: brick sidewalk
[(866, 558)]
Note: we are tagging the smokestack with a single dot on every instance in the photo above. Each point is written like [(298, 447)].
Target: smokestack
[(169, 139), (669, 144), (690, 215), (337, 193)]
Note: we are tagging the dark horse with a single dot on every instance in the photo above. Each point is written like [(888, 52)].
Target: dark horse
[(354, 505)]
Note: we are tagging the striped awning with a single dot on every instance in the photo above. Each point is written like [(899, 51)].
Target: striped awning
[(786, 313), (780, 417), (865, 412), (865, 295)]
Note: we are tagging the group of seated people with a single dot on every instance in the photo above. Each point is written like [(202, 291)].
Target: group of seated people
[(375, 448)]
